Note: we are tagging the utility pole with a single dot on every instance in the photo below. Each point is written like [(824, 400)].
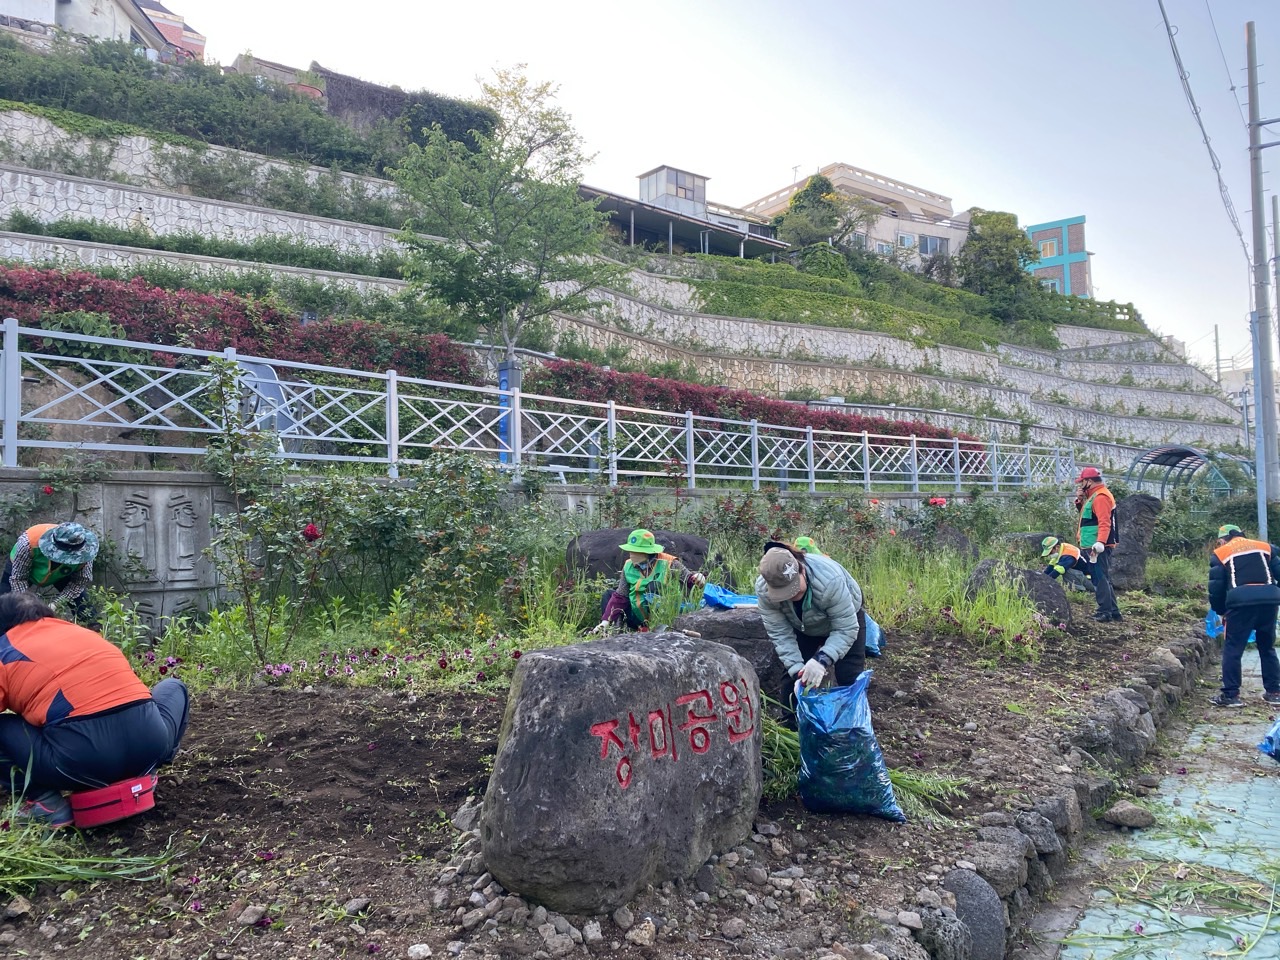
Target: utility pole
[(1269, 472), (1217, 351)]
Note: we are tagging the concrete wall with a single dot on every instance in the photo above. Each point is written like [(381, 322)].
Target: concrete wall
[(38, 10), (35, 142), (49, 196), (47, 250)]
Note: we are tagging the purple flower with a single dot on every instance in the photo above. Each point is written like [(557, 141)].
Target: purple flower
[(196, 906), (1138, 927)]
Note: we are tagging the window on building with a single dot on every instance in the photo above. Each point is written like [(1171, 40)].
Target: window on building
[(1054, 284), (859, 241), (1048, 248), (884, 249), (906, 240), (931, 245)]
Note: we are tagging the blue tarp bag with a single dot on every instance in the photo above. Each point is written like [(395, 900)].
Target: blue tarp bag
[(841, 767), (1270, 744), (874, 636), (717, 596), (1212, 625)]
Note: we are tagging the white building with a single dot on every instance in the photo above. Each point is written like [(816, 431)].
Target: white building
[(100, 19), (914, 218)]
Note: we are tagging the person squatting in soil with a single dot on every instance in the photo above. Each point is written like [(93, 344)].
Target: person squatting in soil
[(1064, 560), (80, 717), (57, 555), (812, 610), (646, 570), (1243, 590), (1097, 536)]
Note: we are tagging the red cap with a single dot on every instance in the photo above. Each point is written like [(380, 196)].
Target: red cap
[(1089, 473)]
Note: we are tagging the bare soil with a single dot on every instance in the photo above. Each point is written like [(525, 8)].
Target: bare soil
[(303, 801)]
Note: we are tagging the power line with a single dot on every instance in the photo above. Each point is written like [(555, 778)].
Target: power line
[(1185, 78), (1231, 84)]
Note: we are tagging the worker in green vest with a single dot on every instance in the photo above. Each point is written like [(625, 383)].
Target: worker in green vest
[(56, 556), (643, 575)]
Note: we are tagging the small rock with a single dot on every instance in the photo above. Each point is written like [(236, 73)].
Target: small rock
[(472, 919), (251, 915), (419, 951), (49, 930), (1126, 814), (17, 907), (969, 727), (468, 815), (768, 829), (733, 928), (910, 919), (929, 899), (591, 932), (539, 916), (624, 918), (355, 906), (757, 875), (455, 947), (965, 865), (643, 934)]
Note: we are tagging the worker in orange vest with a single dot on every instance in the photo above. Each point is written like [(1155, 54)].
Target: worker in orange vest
[(1097, 538), (1064, 560), (73, 714), (1244, 589), (58, 556)]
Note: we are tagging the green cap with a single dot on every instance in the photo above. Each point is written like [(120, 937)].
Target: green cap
[(807, 545), (1047, 545), (1227, 529), (641, 541)]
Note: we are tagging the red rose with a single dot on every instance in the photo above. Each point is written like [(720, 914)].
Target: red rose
[(47, 490), (311, 533)]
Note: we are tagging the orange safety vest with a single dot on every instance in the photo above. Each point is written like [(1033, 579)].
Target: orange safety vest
[(1067, 550), (1234, 549)]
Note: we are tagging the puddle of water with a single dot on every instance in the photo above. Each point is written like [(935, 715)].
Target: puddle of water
[(1222, 815)]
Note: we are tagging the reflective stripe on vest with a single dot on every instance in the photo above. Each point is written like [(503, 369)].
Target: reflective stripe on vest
[(1234, 549)]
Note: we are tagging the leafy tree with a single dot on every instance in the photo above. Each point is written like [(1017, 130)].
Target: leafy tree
[(994, 260), (818, 213), (519, 242)]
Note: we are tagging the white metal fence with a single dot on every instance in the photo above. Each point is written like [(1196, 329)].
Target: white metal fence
[(92, 393)]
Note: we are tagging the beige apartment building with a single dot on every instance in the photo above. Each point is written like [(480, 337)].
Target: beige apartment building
[(914, 218)]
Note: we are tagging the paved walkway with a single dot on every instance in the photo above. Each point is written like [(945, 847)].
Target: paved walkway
[(1202, 882)]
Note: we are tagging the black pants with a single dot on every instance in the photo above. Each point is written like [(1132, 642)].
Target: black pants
[(81, 609), (847, 668), (1239, 623), (94, 751), (1100, 573)]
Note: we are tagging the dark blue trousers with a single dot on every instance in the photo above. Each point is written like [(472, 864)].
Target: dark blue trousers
[(1240, 622), (94, 751)]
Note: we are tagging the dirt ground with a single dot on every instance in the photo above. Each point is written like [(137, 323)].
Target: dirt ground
[(301, 802)]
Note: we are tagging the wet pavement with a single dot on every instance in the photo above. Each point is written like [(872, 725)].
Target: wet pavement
[(1203, 881)]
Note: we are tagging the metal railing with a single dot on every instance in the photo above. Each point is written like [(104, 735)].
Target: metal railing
[(117, 395)]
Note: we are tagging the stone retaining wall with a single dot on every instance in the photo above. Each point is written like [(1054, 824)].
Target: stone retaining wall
[(1157, 375), (77, 253)]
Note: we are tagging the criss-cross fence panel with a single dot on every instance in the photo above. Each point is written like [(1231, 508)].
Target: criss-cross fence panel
[(102, 394)]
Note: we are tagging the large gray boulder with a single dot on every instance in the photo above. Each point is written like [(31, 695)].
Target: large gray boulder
[(596, 553), (742, 629), (1045, 592), (979, 907), (621, 762), (1137, 515)]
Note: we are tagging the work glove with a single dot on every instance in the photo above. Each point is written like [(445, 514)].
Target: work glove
[(1099, 547), (698, 579), (812, 674), (602, 627)]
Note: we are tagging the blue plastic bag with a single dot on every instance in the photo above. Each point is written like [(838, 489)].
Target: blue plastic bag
[(717, 596), (1270, 744), (1212, 625), (841, 767), (874, 636)]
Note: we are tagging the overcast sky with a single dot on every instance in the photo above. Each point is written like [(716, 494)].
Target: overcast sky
[(1044, 110)]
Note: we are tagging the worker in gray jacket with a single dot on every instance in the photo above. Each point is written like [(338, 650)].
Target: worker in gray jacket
[(812, 610)]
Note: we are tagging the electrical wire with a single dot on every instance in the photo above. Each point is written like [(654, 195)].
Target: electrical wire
[(1185, 79), (1231, 83)]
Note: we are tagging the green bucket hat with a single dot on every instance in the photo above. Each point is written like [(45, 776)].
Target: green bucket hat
[(1047, 545), (807, 545), (1227, 529), (641, 541), (69, 543)]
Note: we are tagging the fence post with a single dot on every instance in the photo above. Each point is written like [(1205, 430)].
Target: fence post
[(690, 467), (915, 466), (611, 432), (866, 463), (808, 456), (517, 431), (12, 391), (955, 460), (229, 354), (995, 466), (1027, 453), (755, 455), (393, 426)]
